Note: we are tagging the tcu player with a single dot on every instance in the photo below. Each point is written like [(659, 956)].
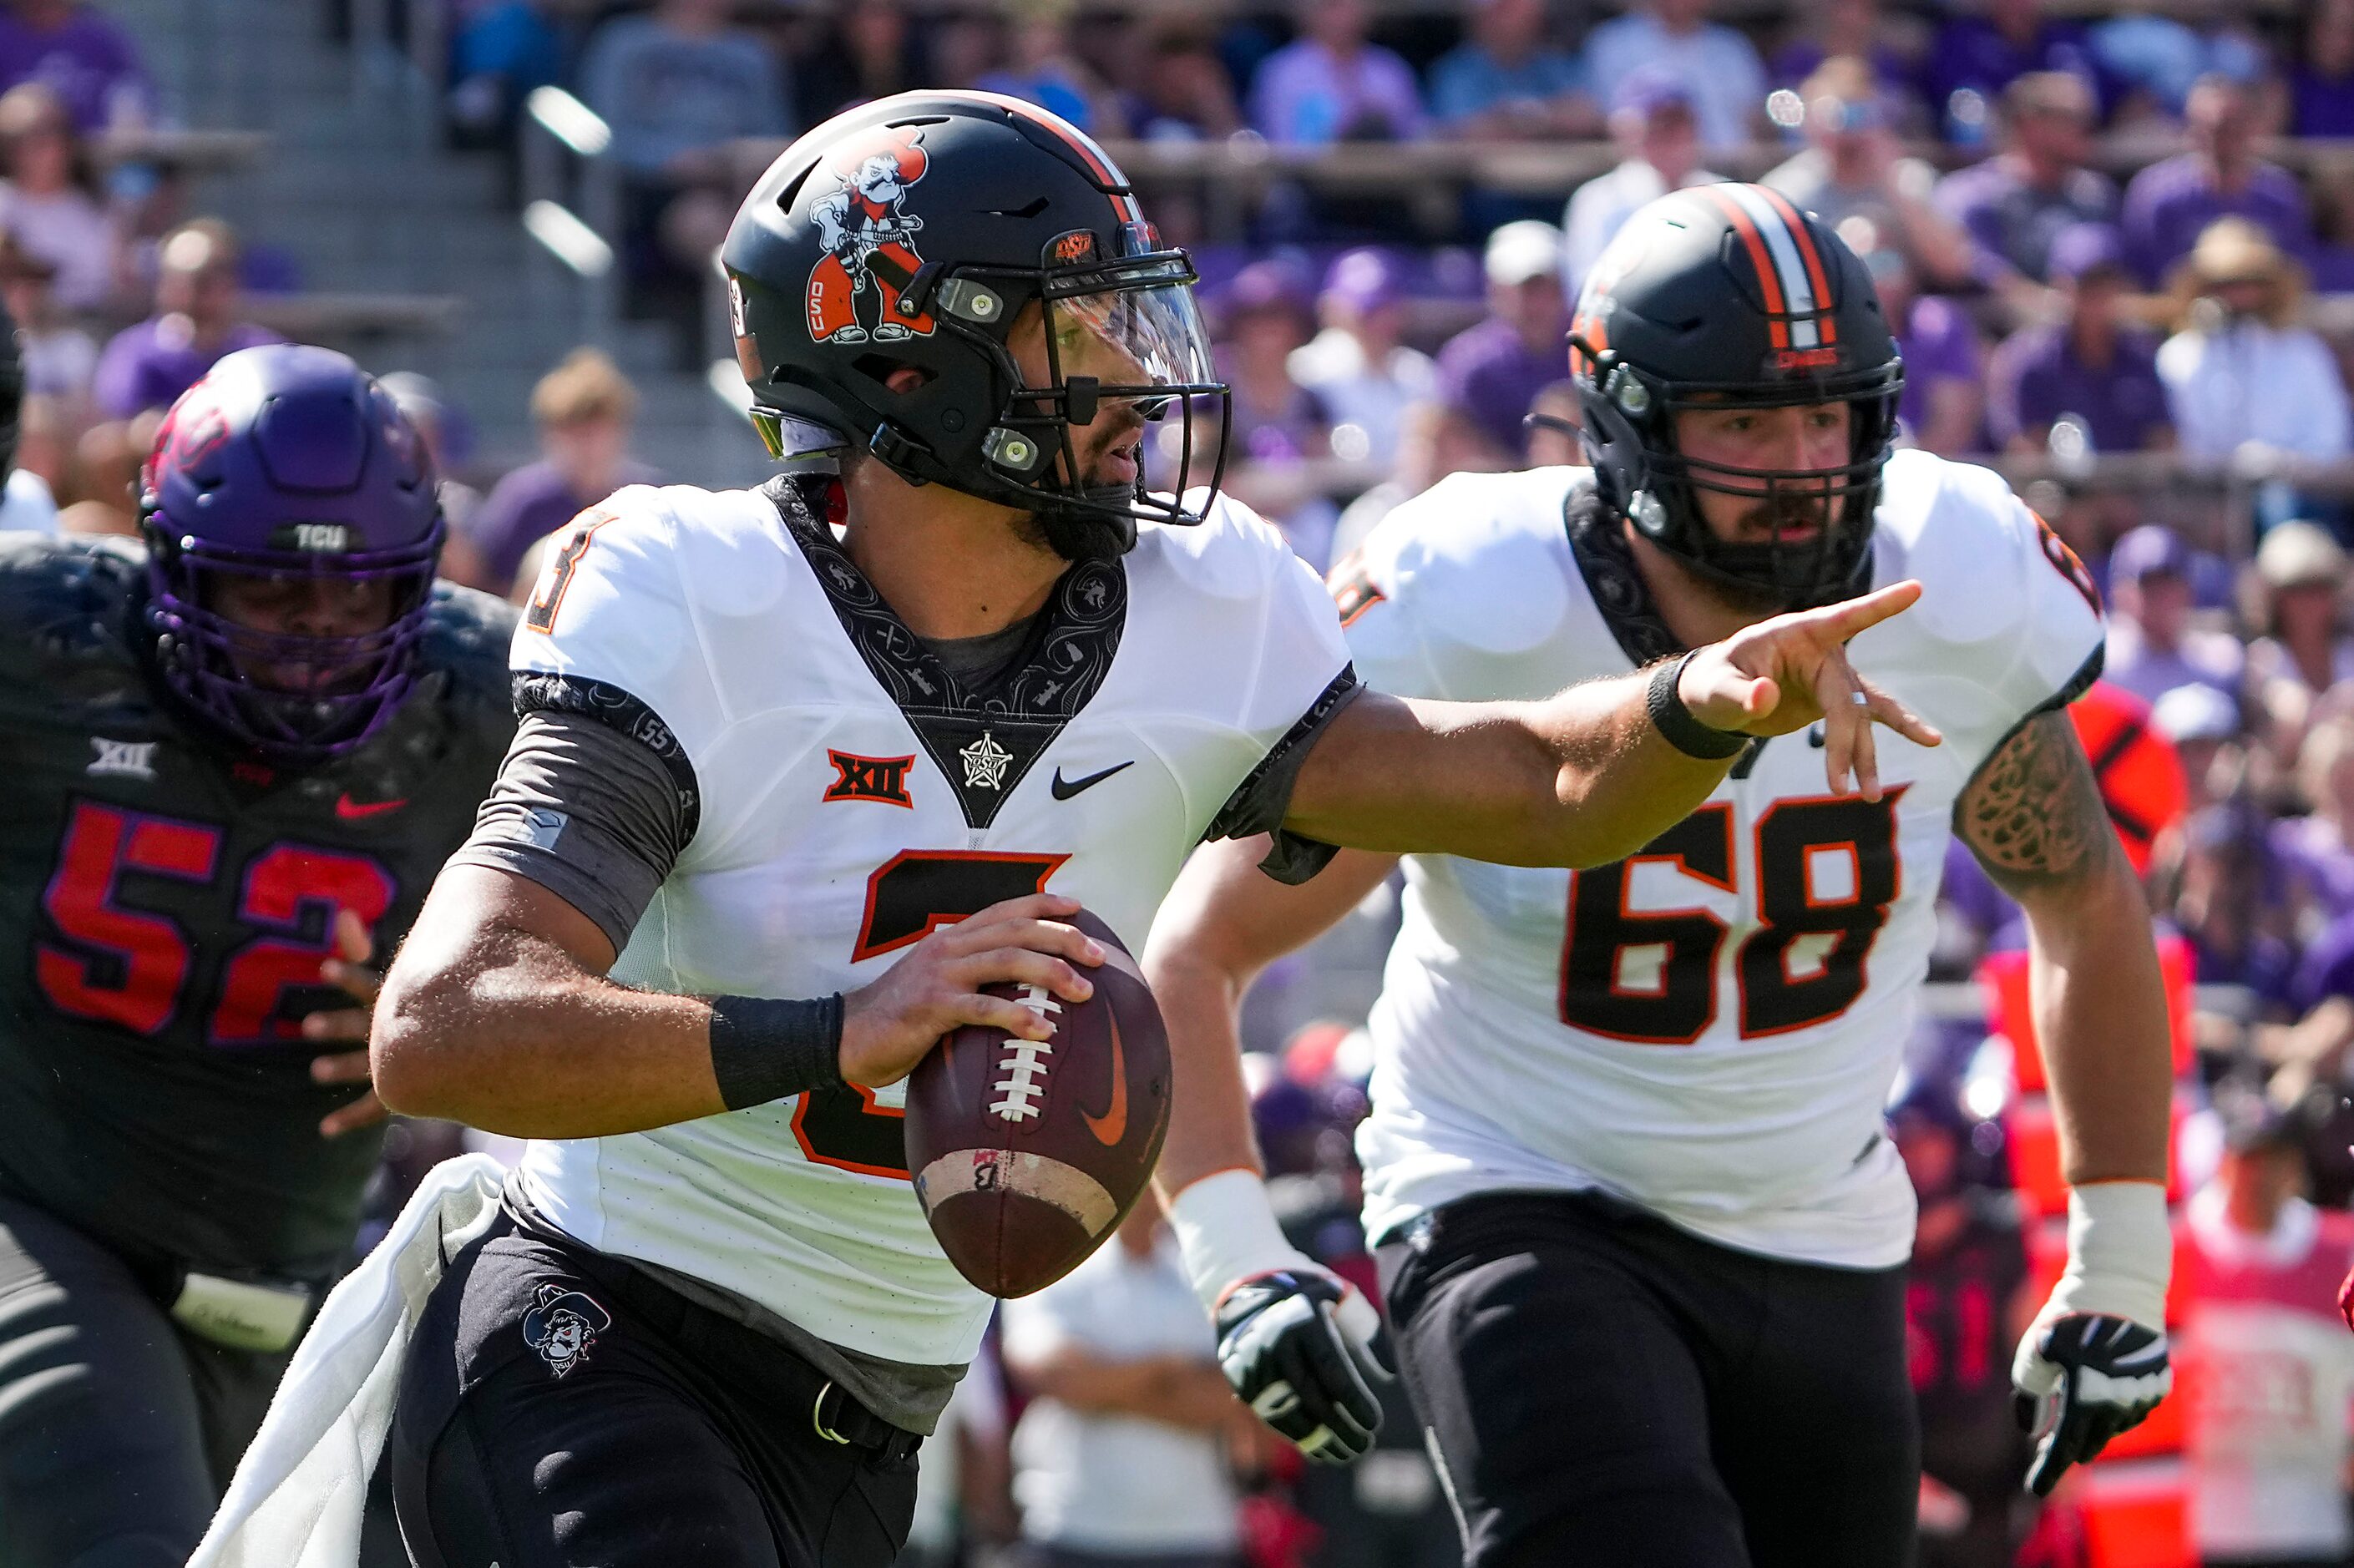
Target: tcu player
[(236, 757), (803, 768), (1642, 1233)]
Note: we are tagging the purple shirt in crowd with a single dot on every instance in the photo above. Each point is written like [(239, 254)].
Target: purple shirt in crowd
[(89, 61), (2035, 377), (2011, 224), (1487, 371), (1306, 94), (148, 366), (528, 506), (2170, 203), (1970, 53), (1939, 345), (2315, 863), (2320, 105), (2327, 969)]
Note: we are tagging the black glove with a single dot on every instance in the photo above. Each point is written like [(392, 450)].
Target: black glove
[(2102, 1377), (1285, 1354)]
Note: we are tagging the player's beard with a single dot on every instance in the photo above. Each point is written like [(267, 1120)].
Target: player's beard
[(1072, 531)]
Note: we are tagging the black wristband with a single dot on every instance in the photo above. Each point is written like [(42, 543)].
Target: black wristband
[(763, 1049), (1675, 721)]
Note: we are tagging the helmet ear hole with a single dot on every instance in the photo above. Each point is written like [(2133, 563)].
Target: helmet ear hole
[(895, 376)]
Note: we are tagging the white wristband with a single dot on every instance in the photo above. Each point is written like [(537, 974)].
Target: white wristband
[(1228, 1231), (2120, 1253)]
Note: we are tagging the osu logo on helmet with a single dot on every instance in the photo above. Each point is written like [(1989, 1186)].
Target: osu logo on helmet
[(869, 240)]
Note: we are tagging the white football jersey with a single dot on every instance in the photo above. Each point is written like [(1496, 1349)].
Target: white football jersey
[(1710, 1028), (851, 800)]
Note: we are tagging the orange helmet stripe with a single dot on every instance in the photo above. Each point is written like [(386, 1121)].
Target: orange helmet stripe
[(1768, 279), (1828, 320)]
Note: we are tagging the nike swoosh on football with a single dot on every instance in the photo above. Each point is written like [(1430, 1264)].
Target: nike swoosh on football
[(352, 810), (1065, 787), (1111, 1127)]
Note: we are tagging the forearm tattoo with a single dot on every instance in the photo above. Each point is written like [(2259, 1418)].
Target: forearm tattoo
[(2034, 814)]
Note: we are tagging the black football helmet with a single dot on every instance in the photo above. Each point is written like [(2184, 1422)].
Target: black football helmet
[(925, 229), (1727, 294)]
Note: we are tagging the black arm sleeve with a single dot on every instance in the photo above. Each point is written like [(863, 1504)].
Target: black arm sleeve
[(588, 811), (1263, 800)]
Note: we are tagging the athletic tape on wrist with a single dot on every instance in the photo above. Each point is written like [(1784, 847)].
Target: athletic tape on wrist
[(2120, 1253), (765, 1049), (1675, 722), (1226, 1229)]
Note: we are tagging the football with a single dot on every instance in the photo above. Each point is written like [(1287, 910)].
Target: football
[(1027, 1153)]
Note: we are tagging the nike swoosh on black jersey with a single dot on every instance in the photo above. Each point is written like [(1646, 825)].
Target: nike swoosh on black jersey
[(1064, 789)]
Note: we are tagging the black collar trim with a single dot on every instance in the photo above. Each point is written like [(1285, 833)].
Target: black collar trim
[(1597, 542), (986, 741)]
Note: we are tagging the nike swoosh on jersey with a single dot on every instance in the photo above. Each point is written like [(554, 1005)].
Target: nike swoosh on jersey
[(353, 810), (1065, 787), (1111, 1127)]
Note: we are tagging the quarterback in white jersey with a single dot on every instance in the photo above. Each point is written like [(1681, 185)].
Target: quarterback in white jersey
[(802, 770), (1641, 1232)]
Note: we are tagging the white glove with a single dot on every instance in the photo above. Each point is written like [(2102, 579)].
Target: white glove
[(2093, 1362), (1294, 1338)]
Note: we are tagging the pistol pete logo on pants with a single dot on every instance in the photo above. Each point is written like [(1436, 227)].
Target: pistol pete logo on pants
[(563, 1327)]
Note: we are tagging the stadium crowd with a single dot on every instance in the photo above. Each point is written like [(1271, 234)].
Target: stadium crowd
[(2119, 233)]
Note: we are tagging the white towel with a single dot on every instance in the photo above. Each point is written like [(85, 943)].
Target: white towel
[(299, 1494)]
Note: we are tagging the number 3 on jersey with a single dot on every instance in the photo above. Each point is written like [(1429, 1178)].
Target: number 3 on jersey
[(910, 896), (1803, 965)]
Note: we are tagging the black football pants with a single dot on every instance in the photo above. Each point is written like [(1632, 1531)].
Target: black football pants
[(559, 1408), (118, 1429), (1601, 1388)]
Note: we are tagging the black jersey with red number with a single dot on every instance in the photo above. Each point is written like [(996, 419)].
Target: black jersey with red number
[(164, 907), (1959, 1335)]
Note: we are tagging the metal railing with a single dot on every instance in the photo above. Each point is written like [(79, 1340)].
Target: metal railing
[(572, 205)]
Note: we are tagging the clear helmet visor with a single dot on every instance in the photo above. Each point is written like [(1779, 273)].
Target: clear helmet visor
[(1133, 339)]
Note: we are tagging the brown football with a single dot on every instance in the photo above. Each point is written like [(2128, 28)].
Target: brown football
[(1027, 1153)]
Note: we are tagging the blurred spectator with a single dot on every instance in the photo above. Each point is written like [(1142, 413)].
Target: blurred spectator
[(1043, 69), (2171, 203), (1121, 1456), (1495, 369), (2154, 59), (1505, 81), (1967, 1301), (2202, 724), (196, 322), (2015, 204), (1359, 365), (1436, 438), (82, 54), (1943, 402), (102, 476), (2269, 1439), (2303, 649), (1182, 93), (2214, 880), (1275, 422), (1854, 167), (677, 84), (868, 52), (60, 359), (1717, 65), (500, 55), (1651, 121), (50, 201), (437, 424), (1827, 28), (2315, 853), (583, 408), (1332, 84), (2153, 647), (2244, 378), (2321, 85), (1974, 57), (2092, 370)]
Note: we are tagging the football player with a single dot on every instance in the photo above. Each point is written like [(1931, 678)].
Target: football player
[(803, 768), (236, 753), (1641, 1233)]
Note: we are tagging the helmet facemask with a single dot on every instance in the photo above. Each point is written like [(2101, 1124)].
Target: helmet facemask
[(295, 699), (1126, 364), (1635, 415)]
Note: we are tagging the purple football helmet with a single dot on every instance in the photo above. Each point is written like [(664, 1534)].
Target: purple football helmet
[(288, 462)]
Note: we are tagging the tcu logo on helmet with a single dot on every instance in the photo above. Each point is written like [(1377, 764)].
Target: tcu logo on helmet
[(869, 239), (562, 1327)]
